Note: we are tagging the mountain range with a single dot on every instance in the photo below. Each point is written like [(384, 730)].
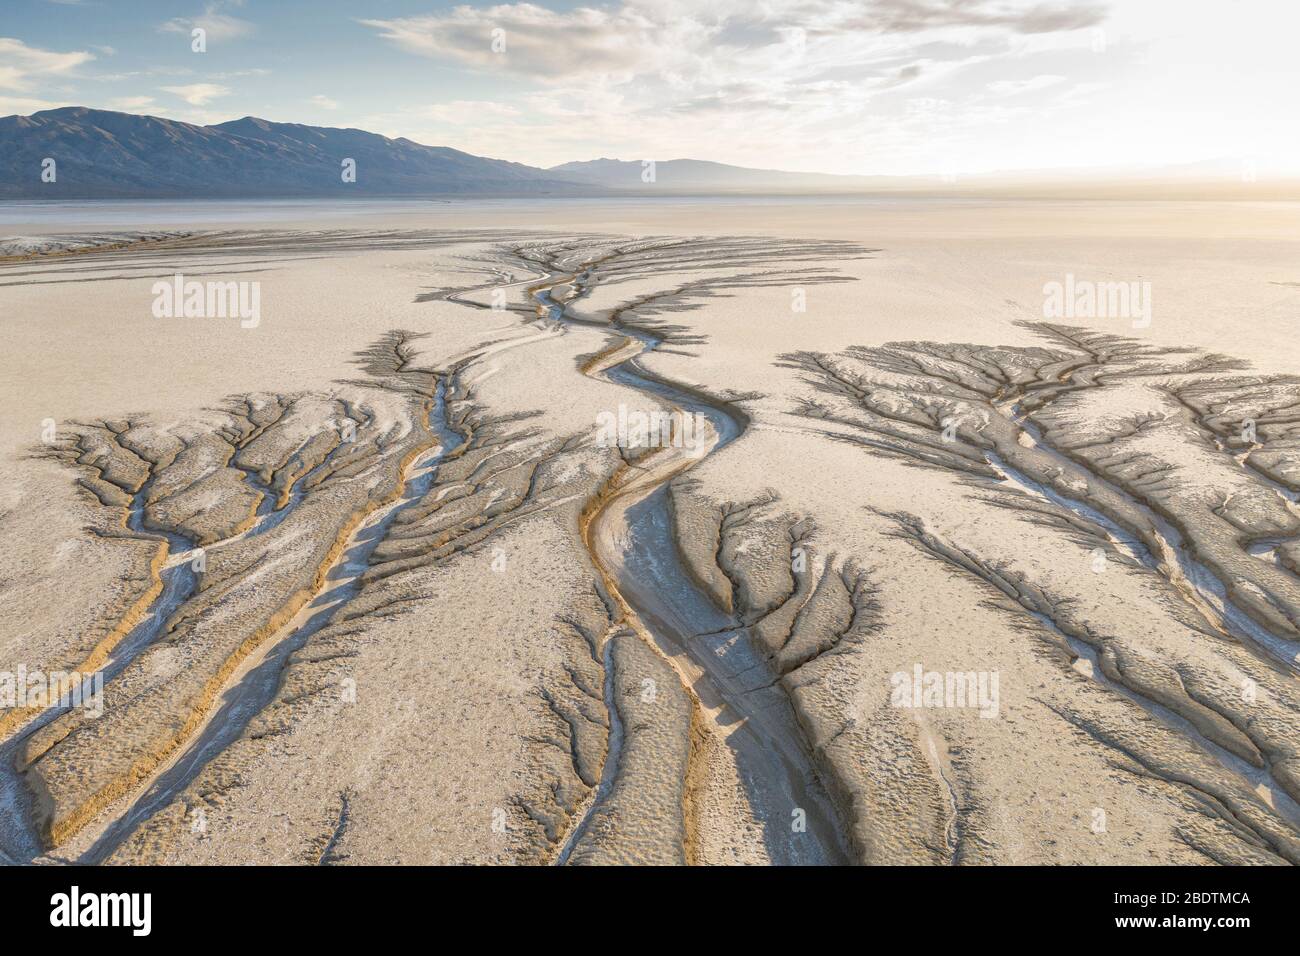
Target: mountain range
[(101, 154)]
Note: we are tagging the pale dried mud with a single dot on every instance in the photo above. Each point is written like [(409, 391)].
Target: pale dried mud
[(376, 592)]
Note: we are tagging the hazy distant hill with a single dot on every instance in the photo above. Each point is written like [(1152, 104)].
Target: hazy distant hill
[(1205, 180), (691, 175), (102, 154)]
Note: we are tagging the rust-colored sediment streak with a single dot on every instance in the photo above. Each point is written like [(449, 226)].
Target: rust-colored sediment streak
[(123, 246), (626, 479), (695, 781), (13, 720)]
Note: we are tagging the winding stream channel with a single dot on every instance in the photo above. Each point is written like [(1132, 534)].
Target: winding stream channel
[(628, 533)]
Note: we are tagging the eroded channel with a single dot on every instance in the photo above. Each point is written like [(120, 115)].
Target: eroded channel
[(631, 541)]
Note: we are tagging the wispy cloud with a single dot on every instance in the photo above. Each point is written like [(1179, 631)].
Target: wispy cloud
[(802, 77), (198, 94), (1013, 87), (714, 41), (23, 67), (528, 39), (218, 24), (324, 102), (23, 105), (132, 104)]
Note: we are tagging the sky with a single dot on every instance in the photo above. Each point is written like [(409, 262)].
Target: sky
[(868, 87)]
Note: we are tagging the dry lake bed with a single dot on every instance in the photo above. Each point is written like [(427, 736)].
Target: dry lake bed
[(709, 532)]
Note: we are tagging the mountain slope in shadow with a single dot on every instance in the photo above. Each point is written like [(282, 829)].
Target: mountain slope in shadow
[(102, 154)]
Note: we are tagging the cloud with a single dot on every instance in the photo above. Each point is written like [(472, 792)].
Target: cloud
[(525, 38), (132, 104), (684, 40), (23, 67), (219, 25), (459, 113), (198, 94), (802, 83), (324, 102), (913, 16), (1013, 87), (22, 106)]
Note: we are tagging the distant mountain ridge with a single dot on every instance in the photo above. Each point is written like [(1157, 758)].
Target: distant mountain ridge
[(690, 175), (101, 154)]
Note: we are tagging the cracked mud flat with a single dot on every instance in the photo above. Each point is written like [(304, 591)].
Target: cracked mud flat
[(384, 598)]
